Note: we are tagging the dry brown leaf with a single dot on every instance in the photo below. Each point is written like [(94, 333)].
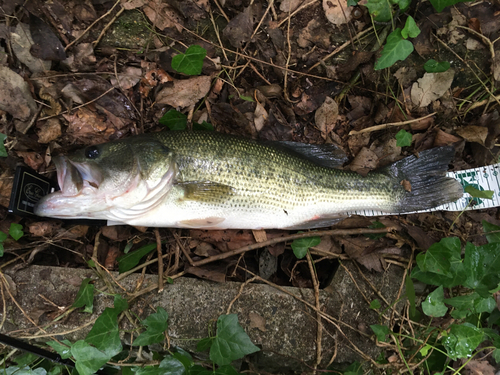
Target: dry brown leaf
[(22, 42), (6, 183), (128, 78), (365, 161), (473, 133), (239, 30), (33, 159), (49, 130), (43, 228), (431, 87), (444, 139), (314, 33), (207, 273), (133, 4), (476, 367), (113, 253), (184, 93), (163, 15), (326, 116), (257, 321), (337, 11), (116, 232), (260, 116), (15, 95)]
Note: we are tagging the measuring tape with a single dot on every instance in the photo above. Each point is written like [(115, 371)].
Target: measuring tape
[(482, 178)]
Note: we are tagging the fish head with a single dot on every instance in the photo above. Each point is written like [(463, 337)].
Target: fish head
[(105, 181)]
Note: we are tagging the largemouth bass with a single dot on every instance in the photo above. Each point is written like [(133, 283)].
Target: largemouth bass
[(215, 181)]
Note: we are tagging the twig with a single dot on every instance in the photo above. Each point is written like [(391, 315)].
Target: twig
[(242, 286), (331, 232), (303, 6), (340, 48), (319, 327), (384, 126), (186, 254), (101, 35), (160, 260), (81, 105), (92, 25)]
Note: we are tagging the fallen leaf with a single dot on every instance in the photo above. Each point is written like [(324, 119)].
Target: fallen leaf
[(364, 162), (239, 30), (326, 116), (21, 44), (314, 33), (163, 15), (49, 130), (431, 87), (257, 321), (43, 228), (473, 133), (116, 232), (290, 5), (113, 252), (46, 45), (260, 116), (15, 95), (337, 11), (184, 93), (128, 78), (476, 367), (32, 159), (444, 139), (207, 273), (406, 185)]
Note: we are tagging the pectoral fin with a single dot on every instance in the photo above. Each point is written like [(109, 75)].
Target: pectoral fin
[(206, 223), (206, 191)]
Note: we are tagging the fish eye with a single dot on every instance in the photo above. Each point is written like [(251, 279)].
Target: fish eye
[(91, 152)]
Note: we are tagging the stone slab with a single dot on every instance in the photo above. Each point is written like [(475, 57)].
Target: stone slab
[(288, 339)]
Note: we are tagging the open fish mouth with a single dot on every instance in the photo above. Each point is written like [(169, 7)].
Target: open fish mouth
[(74, 178)]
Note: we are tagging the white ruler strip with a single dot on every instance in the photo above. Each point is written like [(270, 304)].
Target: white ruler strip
[(482, 178)]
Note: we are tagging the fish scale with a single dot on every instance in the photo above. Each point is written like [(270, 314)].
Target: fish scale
[(223, 181)]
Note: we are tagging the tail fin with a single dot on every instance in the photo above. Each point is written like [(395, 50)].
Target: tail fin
[(423, 180)]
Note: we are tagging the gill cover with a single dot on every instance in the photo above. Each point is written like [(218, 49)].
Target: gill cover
[(111, 181)]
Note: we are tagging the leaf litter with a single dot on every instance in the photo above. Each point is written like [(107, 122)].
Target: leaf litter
[(258, 86)]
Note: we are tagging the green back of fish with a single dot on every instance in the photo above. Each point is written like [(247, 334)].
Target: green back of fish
[(276, 176)]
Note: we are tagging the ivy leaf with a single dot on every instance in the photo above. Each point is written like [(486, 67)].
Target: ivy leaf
[(442, 264), (16, 231), (204, 344), (476, 193), (380, 10), (231, 342), (375, 304), (128, 261), (105, 335), (403, 138), (172, 366), (3, 151), (380, 331), (88, 359), (491, 231), (157, 324), (434, 304), (85, 296), (301, 245), (190, 62), (203, 126), (433, 66), (462, 340), (411, 29), (63, 350), (481, 265), (395, 49), (174, 120), (3, 236), (439, 5)]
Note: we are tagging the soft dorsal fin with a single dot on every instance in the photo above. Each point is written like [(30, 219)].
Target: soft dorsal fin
[(325, 155)]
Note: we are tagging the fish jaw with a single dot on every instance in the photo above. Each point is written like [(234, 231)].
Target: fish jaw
[(86, 194)]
